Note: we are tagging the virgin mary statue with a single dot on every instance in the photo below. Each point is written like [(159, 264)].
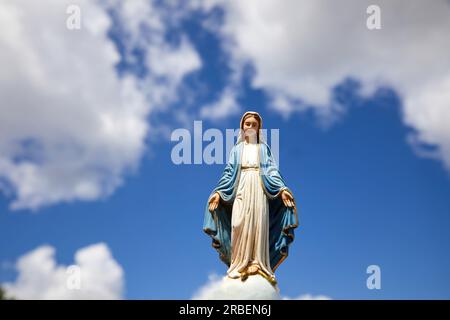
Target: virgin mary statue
[(251, 214)]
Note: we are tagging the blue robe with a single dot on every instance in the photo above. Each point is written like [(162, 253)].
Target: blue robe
[(282, 220)]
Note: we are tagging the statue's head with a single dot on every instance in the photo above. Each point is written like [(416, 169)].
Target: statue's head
[(251, 124)]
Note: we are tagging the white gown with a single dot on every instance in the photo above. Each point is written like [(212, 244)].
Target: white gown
[(250, 218)]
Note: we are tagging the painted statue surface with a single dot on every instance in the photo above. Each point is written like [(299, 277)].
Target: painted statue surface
[(251, 213)]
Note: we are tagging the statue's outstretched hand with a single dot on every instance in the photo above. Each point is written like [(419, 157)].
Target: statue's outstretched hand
[(214, 202), (287, 198)]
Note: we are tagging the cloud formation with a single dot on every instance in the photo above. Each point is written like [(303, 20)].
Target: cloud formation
[(300, 50), (71, 127), (95, 275), (254, 288), (224, 288)]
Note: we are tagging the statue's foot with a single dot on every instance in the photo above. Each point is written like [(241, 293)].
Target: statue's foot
[(253, 269), (250, 270), (269, 278)]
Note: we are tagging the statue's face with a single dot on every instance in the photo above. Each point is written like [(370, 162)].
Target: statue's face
[(250, 127)]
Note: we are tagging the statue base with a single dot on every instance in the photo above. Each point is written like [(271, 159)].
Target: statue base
[(255, 287)]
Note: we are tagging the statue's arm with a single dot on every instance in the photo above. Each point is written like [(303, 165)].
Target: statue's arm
[(276, 181)]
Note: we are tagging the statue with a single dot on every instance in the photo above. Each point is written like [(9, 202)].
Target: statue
[(251, 214)]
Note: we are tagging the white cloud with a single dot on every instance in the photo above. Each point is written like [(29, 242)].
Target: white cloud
[(40, 277), (224, 107), (308, 297), (301, 49), (254, 288), (70, 127), (145, 27), (224, 288), (163, 60)]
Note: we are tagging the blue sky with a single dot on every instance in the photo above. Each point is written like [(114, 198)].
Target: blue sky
[(365, 194)]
